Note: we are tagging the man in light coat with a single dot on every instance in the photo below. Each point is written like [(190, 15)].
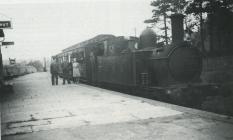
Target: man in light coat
[(54, 72), (76, 71)]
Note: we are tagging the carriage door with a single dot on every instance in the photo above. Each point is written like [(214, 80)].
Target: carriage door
[(93, 68)]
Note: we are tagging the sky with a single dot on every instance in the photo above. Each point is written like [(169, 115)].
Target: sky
[(42, 28)]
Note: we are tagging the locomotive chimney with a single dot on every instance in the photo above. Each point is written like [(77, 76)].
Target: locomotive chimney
[(177, 28)]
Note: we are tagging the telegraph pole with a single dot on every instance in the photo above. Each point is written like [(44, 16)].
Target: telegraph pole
[(135, 32), (45, 65), (3, 25), (2, 37)]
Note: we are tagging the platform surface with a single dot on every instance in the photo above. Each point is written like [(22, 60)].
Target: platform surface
[(37, 110)]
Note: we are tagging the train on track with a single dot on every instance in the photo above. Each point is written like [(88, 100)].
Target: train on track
[(136, 62)]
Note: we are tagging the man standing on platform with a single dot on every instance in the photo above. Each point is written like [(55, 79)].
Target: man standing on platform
[(67, 72), (54, 72), (76, 71)]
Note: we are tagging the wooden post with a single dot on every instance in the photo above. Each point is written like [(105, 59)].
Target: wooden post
[(1, 68)]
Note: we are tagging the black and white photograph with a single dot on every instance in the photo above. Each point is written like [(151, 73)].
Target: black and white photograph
[(116, 69)]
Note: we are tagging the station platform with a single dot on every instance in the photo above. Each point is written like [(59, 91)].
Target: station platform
[(36, 110)]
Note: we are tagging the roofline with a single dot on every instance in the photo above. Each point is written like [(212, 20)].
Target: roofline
[(95, 39)]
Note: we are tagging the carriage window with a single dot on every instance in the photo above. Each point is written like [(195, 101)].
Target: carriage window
[(136, 46), (105, 47), (83, 54), (100, 49), (69, 58)]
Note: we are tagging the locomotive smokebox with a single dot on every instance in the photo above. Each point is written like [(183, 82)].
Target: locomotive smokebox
[(177, 28)]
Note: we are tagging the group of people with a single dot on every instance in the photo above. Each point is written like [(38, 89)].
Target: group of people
[(70, 72)]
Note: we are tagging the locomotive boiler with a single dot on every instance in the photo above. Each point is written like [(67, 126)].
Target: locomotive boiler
[(135, 62)]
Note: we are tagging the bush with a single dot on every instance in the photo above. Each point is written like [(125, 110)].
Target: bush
[(218, 77), (37, 64)]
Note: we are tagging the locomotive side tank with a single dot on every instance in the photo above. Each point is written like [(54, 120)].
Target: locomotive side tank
[(117, 66)]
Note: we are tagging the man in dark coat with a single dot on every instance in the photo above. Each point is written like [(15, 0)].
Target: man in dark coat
[(67, 72), (54, 72)]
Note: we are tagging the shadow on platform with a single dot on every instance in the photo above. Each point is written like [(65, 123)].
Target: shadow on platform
[(6, 91)]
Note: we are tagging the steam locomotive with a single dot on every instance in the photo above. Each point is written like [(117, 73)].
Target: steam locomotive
[(136, 62)]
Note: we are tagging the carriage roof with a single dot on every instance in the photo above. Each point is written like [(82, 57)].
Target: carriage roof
[(98, 38)]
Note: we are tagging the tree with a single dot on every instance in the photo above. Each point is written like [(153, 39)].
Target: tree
[(178, 6), (212, 6), (162, 8), (160, 11)]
